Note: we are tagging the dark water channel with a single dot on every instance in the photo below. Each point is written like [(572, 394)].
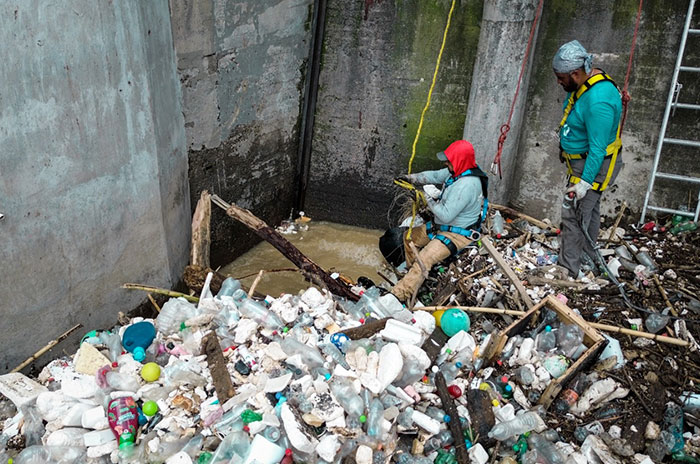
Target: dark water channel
[(351, 251)]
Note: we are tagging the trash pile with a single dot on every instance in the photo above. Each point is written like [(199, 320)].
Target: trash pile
[(481, 369)]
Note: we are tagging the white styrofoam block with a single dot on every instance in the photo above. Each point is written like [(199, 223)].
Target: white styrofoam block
[(19, 388), (98, 437)]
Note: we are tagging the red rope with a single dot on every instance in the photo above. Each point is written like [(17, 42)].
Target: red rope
[(506, 127), (625, 95)]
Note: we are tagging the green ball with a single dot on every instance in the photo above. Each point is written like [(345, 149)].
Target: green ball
[(149, 408), (150, 372), (454, 320)]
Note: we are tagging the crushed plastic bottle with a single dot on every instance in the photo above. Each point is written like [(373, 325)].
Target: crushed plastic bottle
[(523, 423), (497, 225), (547, 340)]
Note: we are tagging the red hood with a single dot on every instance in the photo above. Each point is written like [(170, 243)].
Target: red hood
[(461, 155)]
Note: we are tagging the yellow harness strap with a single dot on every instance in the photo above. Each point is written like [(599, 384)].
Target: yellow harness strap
[(611, 150)]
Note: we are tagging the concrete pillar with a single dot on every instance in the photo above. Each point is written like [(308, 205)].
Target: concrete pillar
[(505, 28)]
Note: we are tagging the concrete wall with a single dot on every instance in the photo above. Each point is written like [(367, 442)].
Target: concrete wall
[(606, 28), (377, 66), (241, 65), (93, 171)]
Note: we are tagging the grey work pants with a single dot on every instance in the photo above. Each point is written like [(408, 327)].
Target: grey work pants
[(573, 242)]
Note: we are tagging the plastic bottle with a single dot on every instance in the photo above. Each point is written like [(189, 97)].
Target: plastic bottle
[(525, 375), (310, 356), (122, 415), (228, 286), (497, 225), (545, 449), (369, 303), (684, 227), (656, 322), (523, 423), (569, 397), (442, 439), (335, 354), (569, 338), (122, 381), (174, 312), (137, 337), (233, 448), (547, 340), (272, 433), (375, 418), (253, 310), (344, 392)]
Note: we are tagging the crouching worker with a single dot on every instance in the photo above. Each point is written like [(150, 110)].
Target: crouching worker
[(457, 213)]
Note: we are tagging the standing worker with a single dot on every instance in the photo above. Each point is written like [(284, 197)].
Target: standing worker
[(589, 144), (458, 213)]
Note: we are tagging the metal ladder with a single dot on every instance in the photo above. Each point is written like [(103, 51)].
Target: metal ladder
[(672, 103)]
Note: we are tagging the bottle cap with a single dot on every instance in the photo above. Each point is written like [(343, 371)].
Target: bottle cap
[(139, 354), (548, 328)]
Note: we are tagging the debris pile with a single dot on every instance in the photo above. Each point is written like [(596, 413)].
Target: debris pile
[(500, 360)]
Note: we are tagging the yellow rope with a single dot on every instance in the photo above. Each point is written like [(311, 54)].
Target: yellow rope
[(419, 195)]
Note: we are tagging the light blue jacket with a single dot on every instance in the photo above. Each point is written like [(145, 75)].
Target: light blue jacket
[(459, 204)]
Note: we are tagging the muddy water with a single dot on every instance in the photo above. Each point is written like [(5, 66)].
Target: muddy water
[(351, 251)]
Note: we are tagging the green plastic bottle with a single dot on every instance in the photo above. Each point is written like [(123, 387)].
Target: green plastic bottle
[(684, 227)]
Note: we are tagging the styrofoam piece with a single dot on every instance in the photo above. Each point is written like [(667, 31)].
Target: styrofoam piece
[(20, 389), (296, 433), (88, 359), (478, 455), (69, 436), (73, 417), (277, 384), (363, 455), (390, 364), (313, 297), (328, 447), (98, 437), (425, 422), (525, 350), (94, 419), (397, 331), (417, 353), (425, 321), (263, 451), (102, 450), (79, 386)]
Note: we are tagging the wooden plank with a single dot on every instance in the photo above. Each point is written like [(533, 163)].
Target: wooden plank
[(591, 336), (217, 365), (507, 270), (454, 425), (201, 231)]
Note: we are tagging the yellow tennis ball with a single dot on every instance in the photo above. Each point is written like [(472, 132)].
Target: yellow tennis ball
[(438, 316), (150, 372)]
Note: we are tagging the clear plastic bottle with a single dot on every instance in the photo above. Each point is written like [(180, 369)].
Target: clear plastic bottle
[(545, 449), (569, 338), (336, 355), (497, 225), (569, 397), (369, 303), (310, 356), (523, 423), (174, 312), (260, 314), (345, 394), (375, 418), (442, 439), (233, 448), (272, 433), (228, 286), (547, 340)]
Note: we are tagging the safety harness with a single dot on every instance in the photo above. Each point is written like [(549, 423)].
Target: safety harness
[(611, 150), (471, 232)]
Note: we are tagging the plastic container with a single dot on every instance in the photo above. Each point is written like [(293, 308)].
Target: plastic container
[(123, 418), (137, 338), (345, 394), (259, 313), (539, 444), (569, 338), (523, 423), (174, 312), (497, 225)]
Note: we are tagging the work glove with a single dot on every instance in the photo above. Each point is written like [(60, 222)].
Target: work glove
[(579, 189), (404, 178)]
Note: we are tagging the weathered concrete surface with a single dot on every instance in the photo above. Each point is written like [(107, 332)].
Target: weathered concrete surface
[(241, 67), (378, 63), (606, 29), (93, 169), (505, 29)]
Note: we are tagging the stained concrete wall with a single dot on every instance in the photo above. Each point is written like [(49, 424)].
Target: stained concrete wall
[(377, 67), (241, 65), (94, 168), (606, 28)]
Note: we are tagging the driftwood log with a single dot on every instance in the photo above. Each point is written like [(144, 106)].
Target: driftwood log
[(455, 425), (217, 365), (195, 275), (366, 330), (283, 245), (201, 231)]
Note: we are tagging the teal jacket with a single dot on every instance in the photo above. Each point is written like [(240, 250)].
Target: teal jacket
[(592, 126), (459, 204)]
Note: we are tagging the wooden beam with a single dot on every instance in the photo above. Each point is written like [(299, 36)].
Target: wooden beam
[(201, 231), (217, 365), (507, 270)]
